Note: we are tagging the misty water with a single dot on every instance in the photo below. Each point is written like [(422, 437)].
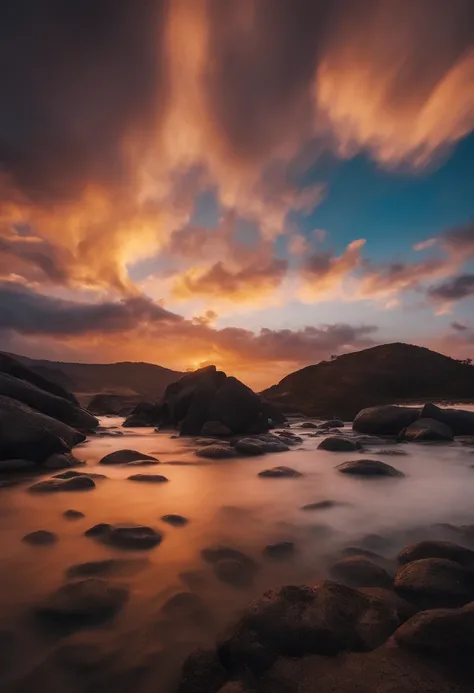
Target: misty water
[(226, 503)]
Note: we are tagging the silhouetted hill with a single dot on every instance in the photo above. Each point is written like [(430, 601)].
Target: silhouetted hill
[(391, 373), (146, 380)]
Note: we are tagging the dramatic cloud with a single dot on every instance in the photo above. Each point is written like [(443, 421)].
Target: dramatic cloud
[(459, 326), (454, 289), (323, 272)]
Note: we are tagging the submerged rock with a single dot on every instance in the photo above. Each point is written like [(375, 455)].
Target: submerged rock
[(107, 566), (280, 473), (76, 483), (133, 537), (323, 505), (428, 430), (85, 602), (250, 447), (339, 444), (41, 537), (216, 452), (368, 468), (230, 565), (332, 423), (175, 520), (280, 551), (187, 605), (73, 514), (125, 456), (150, 478)]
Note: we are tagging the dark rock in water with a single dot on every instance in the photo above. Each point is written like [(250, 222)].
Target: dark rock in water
[(392, 452), (193, 578), (238, 407), (446, 634), (7, 466), (179, 397), (187, 605), (62, 461), (339, 444), (433, 583), (125, 456), (42, 537), (279, 473), (207, 441), (385, 420), (273, 413), (372, 440), (215, 428), (108, 567), (359, 571), (322, 505), (308, 424), (250, 447), (437, 549), (213, 554), (28, 434), (369, 468), (296, 621), (289, 438), (146, 414), (73, 514), (104, 404), (333, 423), (76, 483), (72, 474), (85, 602), (427, 430), (202, 673), (376, 542), (460, 421), (142, 463), (175, 520), (260, 444), (280, 551), (133, 537), (216, 452), (46, 403), (230, 565), (11, 366), (149, 478)]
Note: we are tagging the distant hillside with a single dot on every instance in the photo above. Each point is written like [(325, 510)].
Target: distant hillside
[(86, 379), (391, 373)]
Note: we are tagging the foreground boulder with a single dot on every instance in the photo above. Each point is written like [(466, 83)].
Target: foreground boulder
[(28, 434), (84, 602), (46, 403), (437, 549), (81, 482), (125, 457), (368, 468), (433, 583), (460, 421), (295, 621), (231, 565), (339, 444), (424, 429), (385, 420)]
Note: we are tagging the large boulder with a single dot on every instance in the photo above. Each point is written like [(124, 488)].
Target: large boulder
[(106, 403), (179, 395), (460, 421), (46, 403), (28, 434), (298, 620), (145, 414), (424, 429), (360, 571), (339, 444), (13, 367), (385, 420), (433, 583), (239, 408), (126, 457), (437, 549)]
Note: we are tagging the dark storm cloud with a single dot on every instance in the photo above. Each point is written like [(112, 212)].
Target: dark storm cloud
[(453, 289), (28, 312), (75, 79), (459, 327), (34, 258)]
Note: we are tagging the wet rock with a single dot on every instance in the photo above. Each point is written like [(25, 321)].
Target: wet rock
[(359, 571), (308, 424), (27, 434), (107, 567), (332, 423), (267, 442), (216, 452), (428, 430), (73, 514), (202, 673), (460, 421), (295, 621), (230, 565), (250, 447), (215, 428), (149, 478), (433, 583), (62, 461), (133, 537), (125, 456), (339, 444), (370, 468), (370, 440), (175, 520), (186, 605), (280, 551), (208, 441), (72, 474), (437, 549), (323, 505), (393, 452), (385, 420), (76, 483), (84, 602), (447, 634), (12, 466), (42, 537), (279, 473), (146, 415)]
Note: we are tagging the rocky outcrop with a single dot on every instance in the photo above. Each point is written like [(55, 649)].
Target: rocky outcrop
[(13, 367), (426, 430), (46, 403), (460, 421), (28, 434), (385, 420)]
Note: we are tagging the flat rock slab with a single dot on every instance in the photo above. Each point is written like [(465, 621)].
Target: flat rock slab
[(107, 567), (175, 520), (339, 444), (125, 456), (279, 473), (42, 537), (369, 468), (216, 452), (149, 478), (132, 537), (76, 483), (84, 602)]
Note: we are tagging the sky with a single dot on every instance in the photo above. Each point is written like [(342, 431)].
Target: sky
[(258, 184)]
